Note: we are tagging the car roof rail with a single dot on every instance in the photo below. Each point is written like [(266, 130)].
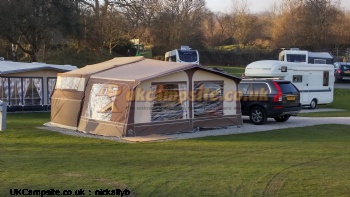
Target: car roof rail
[(265, 78)]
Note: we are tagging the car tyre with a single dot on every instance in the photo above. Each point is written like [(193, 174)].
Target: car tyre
[(283, 118), (313, 104), (257, 116)]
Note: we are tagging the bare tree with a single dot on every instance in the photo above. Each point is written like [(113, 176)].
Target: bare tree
[(29, 24), (305, 23), (179, 23), (243, 22)]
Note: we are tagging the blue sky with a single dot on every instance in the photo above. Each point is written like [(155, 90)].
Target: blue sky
[(255, 5)]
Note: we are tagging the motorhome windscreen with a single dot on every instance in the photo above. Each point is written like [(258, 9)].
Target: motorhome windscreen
[(188, 56), (296, 58)]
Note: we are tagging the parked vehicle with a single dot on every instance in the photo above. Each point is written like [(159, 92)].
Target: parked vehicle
[(185, 54), (341, 71), (269, 98), (307, 57), (315, 81)]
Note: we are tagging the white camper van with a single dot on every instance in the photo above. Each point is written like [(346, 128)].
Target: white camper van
[(185, 54), (315, 81), (307, 57)]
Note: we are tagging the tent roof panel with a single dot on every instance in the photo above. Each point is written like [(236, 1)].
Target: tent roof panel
[(95, 68), (9, 67), (148, 69)]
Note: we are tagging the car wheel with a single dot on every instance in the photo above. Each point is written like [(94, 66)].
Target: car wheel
[(313, 104), (283, 118), (257, 116)]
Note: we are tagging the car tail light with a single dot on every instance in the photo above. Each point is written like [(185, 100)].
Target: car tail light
[(338, 71), (278, 96)]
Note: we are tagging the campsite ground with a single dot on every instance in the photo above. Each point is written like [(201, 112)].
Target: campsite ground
[(304, 161), (307, 161), (286, 162)]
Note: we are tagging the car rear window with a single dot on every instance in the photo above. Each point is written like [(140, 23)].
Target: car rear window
[(345, 67), (287, 88), (260, 87)]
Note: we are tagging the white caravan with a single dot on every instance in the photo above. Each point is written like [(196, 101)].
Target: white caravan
[(315, 81), (185, 54)]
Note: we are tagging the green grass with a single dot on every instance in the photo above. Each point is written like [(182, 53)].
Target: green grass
[(232, 70), (341, 101), (311, 161)]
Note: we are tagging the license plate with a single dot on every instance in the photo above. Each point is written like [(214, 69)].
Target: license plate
[(290, 98)]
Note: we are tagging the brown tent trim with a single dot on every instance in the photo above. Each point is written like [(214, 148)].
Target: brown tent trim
[(166, 127), (212, 122), (100, 127), (170, 82)]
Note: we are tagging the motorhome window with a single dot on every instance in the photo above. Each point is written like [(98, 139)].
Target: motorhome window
[(188, 56), (297, 78), (284, 68), (325, 78), (320, 61), (296, 58)]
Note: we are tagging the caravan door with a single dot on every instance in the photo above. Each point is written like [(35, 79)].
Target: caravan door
[(304, 90)]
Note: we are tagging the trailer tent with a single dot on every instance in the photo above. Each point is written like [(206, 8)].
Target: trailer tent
[(134, 96), (28, 86)]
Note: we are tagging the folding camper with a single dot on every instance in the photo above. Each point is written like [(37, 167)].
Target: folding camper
[(135, 96)]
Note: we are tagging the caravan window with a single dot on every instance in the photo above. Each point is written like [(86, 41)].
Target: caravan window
[(51, 81), (325, 78), (296, 58), (32, 91), (15, 91), (320, 61), (208, 99), (4, 89), (297, 78)]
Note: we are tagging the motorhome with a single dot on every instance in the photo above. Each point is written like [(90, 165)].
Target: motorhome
[(302, 56), (314, 81), (184, 54)]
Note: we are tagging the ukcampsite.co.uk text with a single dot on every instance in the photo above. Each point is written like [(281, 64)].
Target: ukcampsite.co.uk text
[(196, 95)]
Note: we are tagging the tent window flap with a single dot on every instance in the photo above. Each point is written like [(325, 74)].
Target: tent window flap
[(167, 104), (208, 99)]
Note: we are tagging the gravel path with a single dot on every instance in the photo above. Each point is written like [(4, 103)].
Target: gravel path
[(271, 124), (247, 127)]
